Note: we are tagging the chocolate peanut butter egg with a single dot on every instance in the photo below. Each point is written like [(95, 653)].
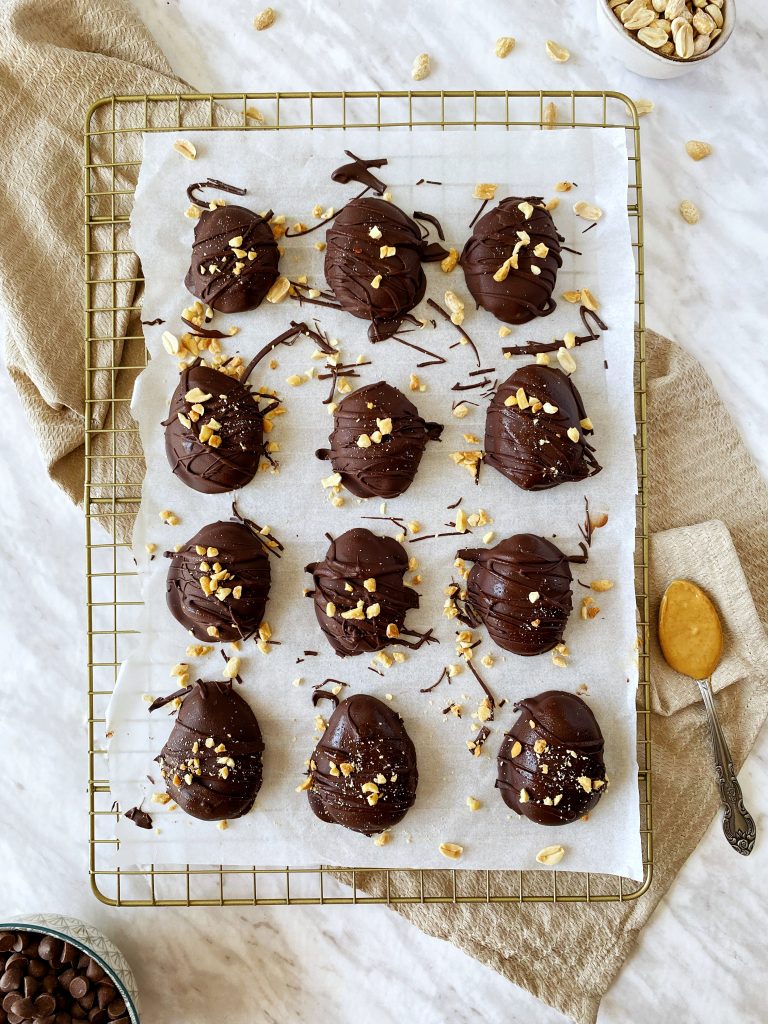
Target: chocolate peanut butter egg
[(363, 772), (373, 263), (234, 259), (521, 590), (360, 597), (378, 440), (550, 766), (218, 582), (211, 762), (214, 434), (536, 430), (511, 260)]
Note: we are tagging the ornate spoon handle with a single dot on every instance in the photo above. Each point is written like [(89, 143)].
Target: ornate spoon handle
[(738, 823)]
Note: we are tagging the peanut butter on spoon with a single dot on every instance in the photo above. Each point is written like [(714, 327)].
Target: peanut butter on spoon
[(691, 639)]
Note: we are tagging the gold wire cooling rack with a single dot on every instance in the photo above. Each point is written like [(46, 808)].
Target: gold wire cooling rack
[(115, 354)]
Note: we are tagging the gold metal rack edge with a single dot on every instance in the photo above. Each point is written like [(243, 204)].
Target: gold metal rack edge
[(113, 130)]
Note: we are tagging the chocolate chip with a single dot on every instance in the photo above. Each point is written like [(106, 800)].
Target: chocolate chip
[(78, 987), (10, 1001), (21, 941), (116, 1008), (23, 1007), (31, 985), (88, 1000), (38, 968), (49, 948), (45, 1005), (94, 972), (69, 953), (98, 1015), (11, 979), (7, 939)]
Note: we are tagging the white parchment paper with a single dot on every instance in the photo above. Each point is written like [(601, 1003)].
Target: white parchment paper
[(290, 172)]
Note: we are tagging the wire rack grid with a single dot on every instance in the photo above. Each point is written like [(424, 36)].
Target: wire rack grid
[(115, 354)]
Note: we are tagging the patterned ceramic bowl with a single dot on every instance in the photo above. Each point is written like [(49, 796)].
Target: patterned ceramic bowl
[(89, 940), (647, 62)]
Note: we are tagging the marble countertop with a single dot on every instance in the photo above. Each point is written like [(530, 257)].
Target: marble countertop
[(702, 956)]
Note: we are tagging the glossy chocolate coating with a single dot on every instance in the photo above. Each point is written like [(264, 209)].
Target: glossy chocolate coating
[(370, 737), (354, 557), (353, 262), (503, 580), (532, 448), (243, 557), (218, 788), (232, 405), (522, 295), (386, 467), (559, 764), (225, 289)]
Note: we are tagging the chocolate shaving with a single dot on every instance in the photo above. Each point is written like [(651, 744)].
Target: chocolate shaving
[(160, 702), (204, 332), (443, 675), (446, 316), (486, 691), (139, 817), (594, 225), (272, 549), (480, 738), (222, 186), (286, 338), (534, 347), (430, 219), (310, 654), (318, 695), (432, 536), (450, 707), (153, 323), (372, 669), (471, 387), (455, 504), (482, 207), (434, 361), (359, 170)]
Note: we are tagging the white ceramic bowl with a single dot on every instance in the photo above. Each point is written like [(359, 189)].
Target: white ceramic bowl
[(89, 940), (641, 59)]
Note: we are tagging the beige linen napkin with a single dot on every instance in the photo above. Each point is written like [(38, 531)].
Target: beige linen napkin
[(56, 57)]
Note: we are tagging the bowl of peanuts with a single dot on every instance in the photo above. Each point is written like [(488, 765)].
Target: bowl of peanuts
[(665, 38)]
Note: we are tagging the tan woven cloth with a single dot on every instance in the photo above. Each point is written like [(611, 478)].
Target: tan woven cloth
[(699, 471), (56, 58)]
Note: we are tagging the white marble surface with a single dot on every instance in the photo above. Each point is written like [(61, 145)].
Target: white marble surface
[(703, 955)]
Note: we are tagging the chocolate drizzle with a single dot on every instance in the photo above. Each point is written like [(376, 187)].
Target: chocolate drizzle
[(387, 465), (363, 772), (211, 762), (521, 590), (371, 286), (352, 559), (522, 294), (530, 445), (232, 406), (550, 765), (234, 258), (240, 553)]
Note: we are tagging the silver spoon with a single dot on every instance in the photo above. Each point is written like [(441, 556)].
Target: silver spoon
[(691, 638)]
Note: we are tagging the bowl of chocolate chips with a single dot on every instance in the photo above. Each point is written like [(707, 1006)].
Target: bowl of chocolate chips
[(58, 970)]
